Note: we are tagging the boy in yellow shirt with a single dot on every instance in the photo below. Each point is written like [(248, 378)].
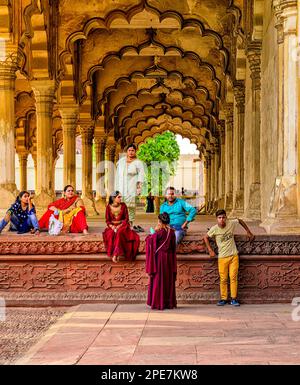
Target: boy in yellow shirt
[(228, 259)]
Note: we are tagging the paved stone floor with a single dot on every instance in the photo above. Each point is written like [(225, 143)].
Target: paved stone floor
[(191, 334), (22, 327)]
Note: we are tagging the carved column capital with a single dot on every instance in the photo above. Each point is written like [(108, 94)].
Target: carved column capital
[(254, 58), (10, 61), (87, 135), (44, 92), (70, 123), (111, 149), (23, 157), (228, 111), (278, 20), (69, 114), (239, 95), (100, 141), (221, 129), (8, 68), (286, 18)]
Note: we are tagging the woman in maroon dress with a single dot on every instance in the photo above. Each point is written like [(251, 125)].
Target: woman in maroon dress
[(161, 265), (118, 237)]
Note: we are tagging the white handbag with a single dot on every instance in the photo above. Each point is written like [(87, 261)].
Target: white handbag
[(55, 225)]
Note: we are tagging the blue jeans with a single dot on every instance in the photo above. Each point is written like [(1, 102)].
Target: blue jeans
[(179, 233), (16, 225)]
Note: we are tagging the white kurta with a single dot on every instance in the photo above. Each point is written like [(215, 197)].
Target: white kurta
[(127, 177)]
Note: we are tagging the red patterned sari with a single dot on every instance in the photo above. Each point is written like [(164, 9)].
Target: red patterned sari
[(76, 222), (124, 242)]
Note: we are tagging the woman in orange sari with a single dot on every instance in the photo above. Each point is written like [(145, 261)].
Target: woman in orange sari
[(118, 237), (71, 209)]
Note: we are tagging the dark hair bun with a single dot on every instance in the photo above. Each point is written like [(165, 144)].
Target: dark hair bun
[(165, 218)]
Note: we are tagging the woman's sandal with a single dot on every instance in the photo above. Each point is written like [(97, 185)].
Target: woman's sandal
[(115, 259)]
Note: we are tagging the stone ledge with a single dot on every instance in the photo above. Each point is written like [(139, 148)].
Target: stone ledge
[(92, 244), (141, 257)]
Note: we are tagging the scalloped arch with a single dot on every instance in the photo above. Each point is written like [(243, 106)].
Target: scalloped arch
[(104, 23), (156, 130)]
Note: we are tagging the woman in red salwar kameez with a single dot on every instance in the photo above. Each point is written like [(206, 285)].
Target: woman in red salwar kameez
[(119, 238), (161, 265), (73, 212)]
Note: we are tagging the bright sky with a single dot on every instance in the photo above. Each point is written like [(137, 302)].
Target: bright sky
[(186, 147)]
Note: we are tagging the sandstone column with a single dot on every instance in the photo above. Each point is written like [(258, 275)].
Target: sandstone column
[(110, 157), (100, 143), (8, 189), (205, 175), (208, 162), (285, 207), (217, 175), (35, 172), (44, 91), (69, 119), (87, 133), (223, 165), (229, 157), (23, 156), (212, 179), (238, 152), (117, 155), (253, 206)]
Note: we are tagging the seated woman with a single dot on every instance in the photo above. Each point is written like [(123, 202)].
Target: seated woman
[(118, 237), (161, 265), (73, 213), (21, 215)]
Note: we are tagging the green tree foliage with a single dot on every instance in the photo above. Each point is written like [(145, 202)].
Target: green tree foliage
[(160, 154)]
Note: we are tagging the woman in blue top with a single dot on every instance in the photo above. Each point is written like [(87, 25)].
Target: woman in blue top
[(21, 215)]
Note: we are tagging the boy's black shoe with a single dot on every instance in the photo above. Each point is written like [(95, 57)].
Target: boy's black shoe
[(222, 302)]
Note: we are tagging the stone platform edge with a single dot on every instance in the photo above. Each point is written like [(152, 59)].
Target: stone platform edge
[(64, 245), (56, 281)]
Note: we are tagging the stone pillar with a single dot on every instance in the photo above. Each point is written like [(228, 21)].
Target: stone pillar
[(238, 150), (208, 162), (69, 119), (205, 183), (87, 133), (23, 170), (100, 173), (110, 177), (285, 204), (229, 157), (223, 166), (253, 206), (216, 176), (8, 189), (212, 179), (44, 91), (35, 172), (117, 155)]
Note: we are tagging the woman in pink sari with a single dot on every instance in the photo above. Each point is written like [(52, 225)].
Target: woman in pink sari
[(161, 265), (73, 212), (119, 239)]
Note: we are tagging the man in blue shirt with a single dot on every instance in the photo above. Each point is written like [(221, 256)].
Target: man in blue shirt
[(181, 213)]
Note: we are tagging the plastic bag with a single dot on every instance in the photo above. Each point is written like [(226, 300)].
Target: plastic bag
[(55, 225)]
